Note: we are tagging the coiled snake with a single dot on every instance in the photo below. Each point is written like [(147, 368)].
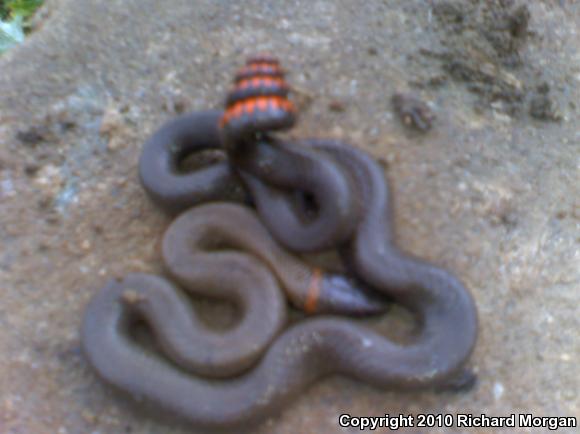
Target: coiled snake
[(310, 195)]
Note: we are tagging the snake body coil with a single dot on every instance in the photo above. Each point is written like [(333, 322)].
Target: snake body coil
[(310, 195)]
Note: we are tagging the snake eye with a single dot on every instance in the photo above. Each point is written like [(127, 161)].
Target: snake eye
[(258, 101)]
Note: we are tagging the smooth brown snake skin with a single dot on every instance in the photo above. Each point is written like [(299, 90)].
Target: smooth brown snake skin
[(197, 377)]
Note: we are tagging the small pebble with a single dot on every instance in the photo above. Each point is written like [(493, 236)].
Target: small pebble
[(131, 296), (413, 112), (498, 390), (336, 106)]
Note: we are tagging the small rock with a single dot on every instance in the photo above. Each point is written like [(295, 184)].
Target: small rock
[(336, 106), (112, 121), (414, 113), (31, 169), (498, 391), (115, 143), (176, 104), (519, 21), (565, 357), (131, 296), (33, 136), (542, 107)]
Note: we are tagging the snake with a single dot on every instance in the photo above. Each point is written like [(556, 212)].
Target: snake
[(182, 378)]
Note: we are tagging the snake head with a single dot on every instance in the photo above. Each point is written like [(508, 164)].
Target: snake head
[(258, 101)]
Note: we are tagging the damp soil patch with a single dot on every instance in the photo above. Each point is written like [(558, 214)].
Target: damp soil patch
[(482, 47)]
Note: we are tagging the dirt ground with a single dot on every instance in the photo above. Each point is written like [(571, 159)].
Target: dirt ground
[(491, 191)]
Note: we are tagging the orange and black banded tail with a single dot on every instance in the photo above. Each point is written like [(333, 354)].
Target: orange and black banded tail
[(258, 101)]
